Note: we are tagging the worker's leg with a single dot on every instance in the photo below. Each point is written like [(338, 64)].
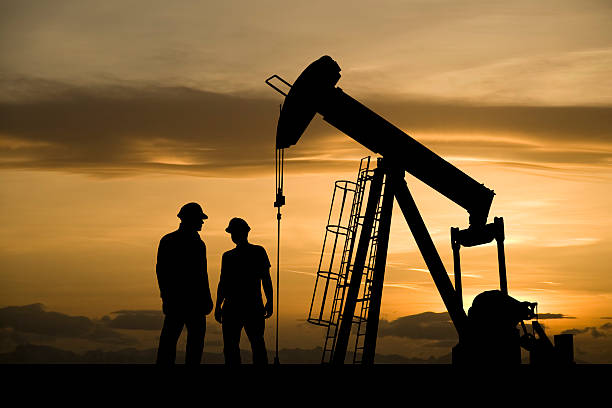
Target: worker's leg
[(171, 331), (231, 327), (254, 328), (196, 329)]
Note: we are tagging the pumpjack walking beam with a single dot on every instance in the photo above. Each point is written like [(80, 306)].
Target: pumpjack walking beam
[(314, 91)]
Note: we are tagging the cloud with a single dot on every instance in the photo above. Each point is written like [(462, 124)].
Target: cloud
[(585, 124), (136, 320), (121, 129), (596, 333), (103, 334), (545, 316), (559, 78), (592, 330), (434, 326), (38, 354), (445, 344), (478, 50), (9, 338), (426, 326), (33, 319)]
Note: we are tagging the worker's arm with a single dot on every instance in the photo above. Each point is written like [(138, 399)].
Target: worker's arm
[(266, 282), (220, 292), (161, 269), (205, 284)]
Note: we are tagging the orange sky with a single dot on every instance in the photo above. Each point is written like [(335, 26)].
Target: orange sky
[(114, 115)]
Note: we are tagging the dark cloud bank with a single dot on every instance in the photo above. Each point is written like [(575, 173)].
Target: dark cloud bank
[(23, 326), (117, 130), (548, 316), (20, 323), (135, 320), (436, 327), (593, 331)]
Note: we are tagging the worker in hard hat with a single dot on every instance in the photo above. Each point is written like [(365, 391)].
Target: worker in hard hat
[(183, 283), (244, 270)]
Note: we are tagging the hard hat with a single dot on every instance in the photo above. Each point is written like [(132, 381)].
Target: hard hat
[(191, 210), (237, 224)]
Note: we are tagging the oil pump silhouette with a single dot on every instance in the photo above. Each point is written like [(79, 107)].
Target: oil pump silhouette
[(488, 333)]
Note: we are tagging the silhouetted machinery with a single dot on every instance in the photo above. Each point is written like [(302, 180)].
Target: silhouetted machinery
[(488, 333)]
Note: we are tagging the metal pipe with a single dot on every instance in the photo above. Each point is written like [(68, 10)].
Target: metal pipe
[(457, 263), (501, 254)]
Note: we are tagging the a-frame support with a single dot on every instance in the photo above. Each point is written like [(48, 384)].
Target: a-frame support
[(395, 186), (378, 276), (344, 332)]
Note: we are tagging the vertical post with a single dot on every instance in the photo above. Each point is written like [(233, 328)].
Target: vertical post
[(384, 227), (501, 255), (564, 348), (339, 353), (431, 257), (279, 162), (457, 263)]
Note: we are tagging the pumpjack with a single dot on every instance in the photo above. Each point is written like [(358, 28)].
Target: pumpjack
[(488, 333)]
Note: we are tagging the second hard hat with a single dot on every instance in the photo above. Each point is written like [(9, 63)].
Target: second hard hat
[(237, 224)]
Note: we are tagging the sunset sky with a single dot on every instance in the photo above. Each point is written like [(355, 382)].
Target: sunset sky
[(114, 114)]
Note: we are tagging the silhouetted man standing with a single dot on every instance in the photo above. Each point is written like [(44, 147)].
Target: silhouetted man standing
[(183, 284), (244, 270)]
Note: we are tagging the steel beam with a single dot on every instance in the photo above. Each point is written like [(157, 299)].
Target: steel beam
[(431, 257)]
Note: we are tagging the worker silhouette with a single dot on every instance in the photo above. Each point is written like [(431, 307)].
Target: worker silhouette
[(183, 284), (244, 270)]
